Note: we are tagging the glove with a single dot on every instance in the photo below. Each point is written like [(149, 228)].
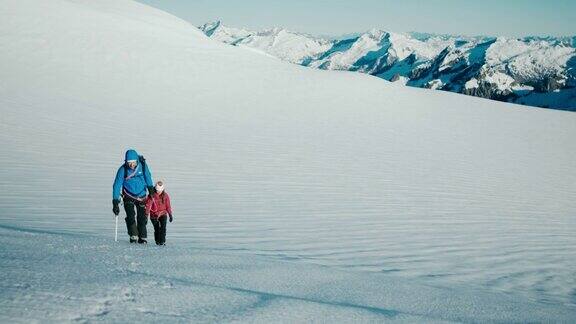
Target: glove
[(115, 208), (151, 190), (170, 217)]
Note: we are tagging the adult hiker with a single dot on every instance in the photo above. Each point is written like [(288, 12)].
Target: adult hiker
[(132, 181)]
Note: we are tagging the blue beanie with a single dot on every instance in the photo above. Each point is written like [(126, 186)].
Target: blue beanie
[(131, 155)]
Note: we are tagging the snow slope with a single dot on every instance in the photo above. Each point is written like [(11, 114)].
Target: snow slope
[(127, 283), (324, 171)]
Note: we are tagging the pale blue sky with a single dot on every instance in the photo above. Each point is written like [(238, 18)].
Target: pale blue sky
[(334, 17)]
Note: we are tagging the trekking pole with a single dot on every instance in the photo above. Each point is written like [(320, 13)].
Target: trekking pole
[(116, 230)]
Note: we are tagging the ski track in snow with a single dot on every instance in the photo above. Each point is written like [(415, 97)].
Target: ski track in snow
[(266, 158)]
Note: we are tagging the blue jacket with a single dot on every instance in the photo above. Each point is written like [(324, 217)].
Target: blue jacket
[(136, 181)]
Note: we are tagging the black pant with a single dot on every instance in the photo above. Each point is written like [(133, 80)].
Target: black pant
[(159, 229), (132, 209)]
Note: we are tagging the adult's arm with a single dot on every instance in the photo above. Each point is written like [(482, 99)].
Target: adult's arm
[(148, 176), (118, 183)]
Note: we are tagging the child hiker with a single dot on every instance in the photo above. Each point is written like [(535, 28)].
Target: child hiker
[(159, 209)]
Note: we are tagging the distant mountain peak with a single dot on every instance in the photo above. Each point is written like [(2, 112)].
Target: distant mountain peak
[(210, 28)]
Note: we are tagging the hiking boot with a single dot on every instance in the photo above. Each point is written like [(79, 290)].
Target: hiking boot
[(133, 239), (142, 241)]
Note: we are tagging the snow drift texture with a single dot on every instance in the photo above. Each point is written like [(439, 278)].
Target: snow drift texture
[(534, 71), (298, 193)]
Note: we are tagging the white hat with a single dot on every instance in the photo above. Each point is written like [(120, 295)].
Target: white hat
[(159, 186)]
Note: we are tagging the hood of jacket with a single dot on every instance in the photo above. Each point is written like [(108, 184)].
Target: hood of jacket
[(131, 155)]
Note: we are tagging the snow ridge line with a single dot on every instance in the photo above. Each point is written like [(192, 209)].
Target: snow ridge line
[(266, 297), (40, 231)]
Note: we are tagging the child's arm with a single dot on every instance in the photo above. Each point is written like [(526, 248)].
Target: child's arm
[(168, 205)]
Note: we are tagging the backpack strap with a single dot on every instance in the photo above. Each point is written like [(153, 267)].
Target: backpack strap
[(142, 161), (153, 205), (132, 175)]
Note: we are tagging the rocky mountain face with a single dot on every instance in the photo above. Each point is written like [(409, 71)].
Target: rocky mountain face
[(535, 71)]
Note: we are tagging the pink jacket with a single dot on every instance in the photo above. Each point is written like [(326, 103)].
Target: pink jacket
[(158, 205)]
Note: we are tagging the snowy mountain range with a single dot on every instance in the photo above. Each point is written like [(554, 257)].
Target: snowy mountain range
[(535, 71)]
